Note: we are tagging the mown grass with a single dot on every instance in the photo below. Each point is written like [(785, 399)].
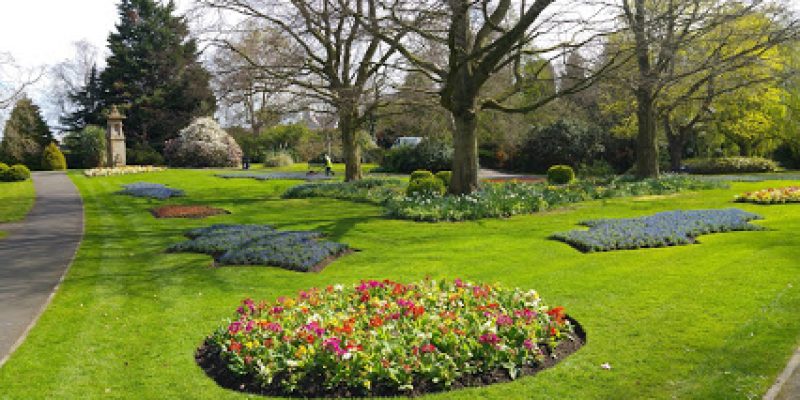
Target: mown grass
[(717, 320), (16, 200)]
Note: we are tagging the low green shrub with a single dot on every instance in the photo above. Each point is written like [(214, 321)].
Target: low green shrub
[(425, 187), (433, 155), (596, 169), (278, 159), (730, 165), (560, 174), (420, 174), (53, 159), (445, 177), (142, 154), (15, 173)]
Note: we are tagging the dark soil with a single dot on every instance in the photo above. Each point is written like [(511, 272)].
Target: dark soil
[(209, 359), (179, 211)]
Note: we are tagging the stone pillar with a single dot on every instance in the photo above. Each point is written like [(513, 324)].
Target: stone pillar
[(115, 139)]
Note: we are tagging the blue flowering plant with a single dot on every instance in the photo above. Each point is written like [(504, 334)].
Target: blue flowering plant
[(670, 228), (151, 190), (262, 245)]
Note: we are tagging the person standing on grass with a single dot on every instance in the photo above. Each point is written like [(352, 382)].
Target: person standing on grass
[(328, 165)]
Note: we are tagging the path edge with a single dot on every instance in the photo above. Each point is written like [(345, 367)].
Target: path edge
[(46, 304), (791, 366)]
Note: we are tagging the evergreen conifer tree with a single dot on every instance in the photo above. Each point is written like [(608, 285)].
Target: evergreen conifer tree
[(25, 135)]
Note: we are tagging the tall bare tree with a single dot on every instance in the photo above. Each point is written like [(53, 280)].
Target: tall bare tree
[(248, 95), (14, 80), (481, 37), (336, 61)]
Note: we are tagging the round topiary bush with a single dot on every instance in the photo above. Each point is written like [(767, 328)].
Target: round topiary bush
[(53, 159), (445, 177), (560, 174), (420, 174), (15, 173), (279, 159), (430, 186), (384, 338), (203, 144)]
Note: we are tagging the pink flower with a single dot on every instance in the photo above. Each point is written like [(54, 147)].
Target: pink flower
[(274, 327), (489, 338), (528, 344), (234, 327), (504, 320)]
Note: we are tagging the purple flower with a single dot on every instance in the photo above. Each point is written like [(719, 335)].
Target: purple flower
[(234, 327)]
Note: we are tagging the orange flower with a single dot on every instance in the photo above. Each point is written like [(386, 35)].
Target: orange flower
[(235, 346), (375, 321)]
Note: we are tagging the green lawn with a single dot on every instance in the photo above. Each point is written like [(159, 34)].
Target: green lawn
[(716, 320), (16, 200)]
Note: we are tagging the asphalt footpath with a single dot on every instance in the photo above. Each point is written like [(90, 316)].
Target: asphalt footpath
[(35, 256)]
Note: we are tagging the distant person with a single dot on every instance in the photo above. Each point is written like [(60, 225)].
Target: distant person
[(328, 165)]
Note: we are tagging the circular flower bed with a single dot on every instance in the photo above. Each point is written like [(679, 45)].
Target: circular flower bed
[(387, 338), (179, 211), (771, 196)]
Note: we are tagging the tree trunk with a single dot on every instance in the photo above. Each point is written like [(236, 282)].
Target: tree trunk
[(352, 153), (465, 153), (676, 142), (647, 140)]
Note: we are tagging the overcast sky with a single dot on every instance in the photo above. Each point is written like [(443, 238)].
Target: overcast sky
[(38, 33)]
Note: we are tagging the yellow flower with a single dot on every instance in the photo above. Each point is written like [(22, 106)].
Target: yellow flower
[(301, 351)]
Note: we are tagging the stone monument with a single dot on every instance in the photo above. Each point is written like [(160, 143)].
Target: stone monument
[(115, 139)]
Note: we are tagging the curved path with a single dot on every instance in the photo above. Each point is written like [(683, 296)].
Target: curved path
[(35, 255)]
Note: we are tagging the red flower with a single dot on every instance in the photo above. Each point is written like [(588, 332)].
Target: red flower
[(558, 314), (418, 310), (235, 346), (375, 321), (428, 348)]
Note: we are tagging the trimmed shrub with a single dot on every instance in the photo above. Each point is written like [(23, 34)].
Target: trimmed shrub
[(15, 173), (420, 174), (730, 165), (431, 186), (279, 159), (445, 177), (560, 174), (203, 144), (53, 159)]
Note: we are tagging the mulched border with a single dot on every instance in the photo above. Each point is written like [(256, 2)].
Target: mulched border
[(208, 358), (209, 211)]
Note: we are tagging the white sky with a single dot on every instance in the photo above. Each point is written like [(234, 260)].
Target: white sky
[(39, 33)]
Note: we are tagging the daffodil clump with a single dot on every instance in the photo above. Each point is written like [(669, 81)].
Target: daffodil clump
[(771, 196), (388, 337), (126, 170)]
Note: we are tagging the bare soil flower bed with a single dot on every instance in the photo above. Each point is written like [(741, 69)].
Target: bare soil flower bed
[(182, 211)]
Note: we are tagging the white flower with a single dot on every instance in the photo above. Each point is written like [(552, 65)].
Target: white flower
[(605, 366)]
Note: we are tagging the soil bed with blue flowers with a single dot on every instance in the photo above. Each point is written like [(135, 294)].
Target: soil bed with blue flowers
[(303, 251)]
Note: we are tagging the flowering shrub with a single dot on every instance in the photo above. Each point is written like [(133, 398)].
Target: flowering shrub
[(513, 198), (151, 190), (261, 245), (730, 165), (130, 169), (385, 338), (266, 176), (669, 228), (203, 144), (370, 190)]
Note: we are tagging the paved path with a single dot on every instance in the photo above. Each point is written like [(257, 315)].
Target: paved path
[(486, 173), (35, 256)]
